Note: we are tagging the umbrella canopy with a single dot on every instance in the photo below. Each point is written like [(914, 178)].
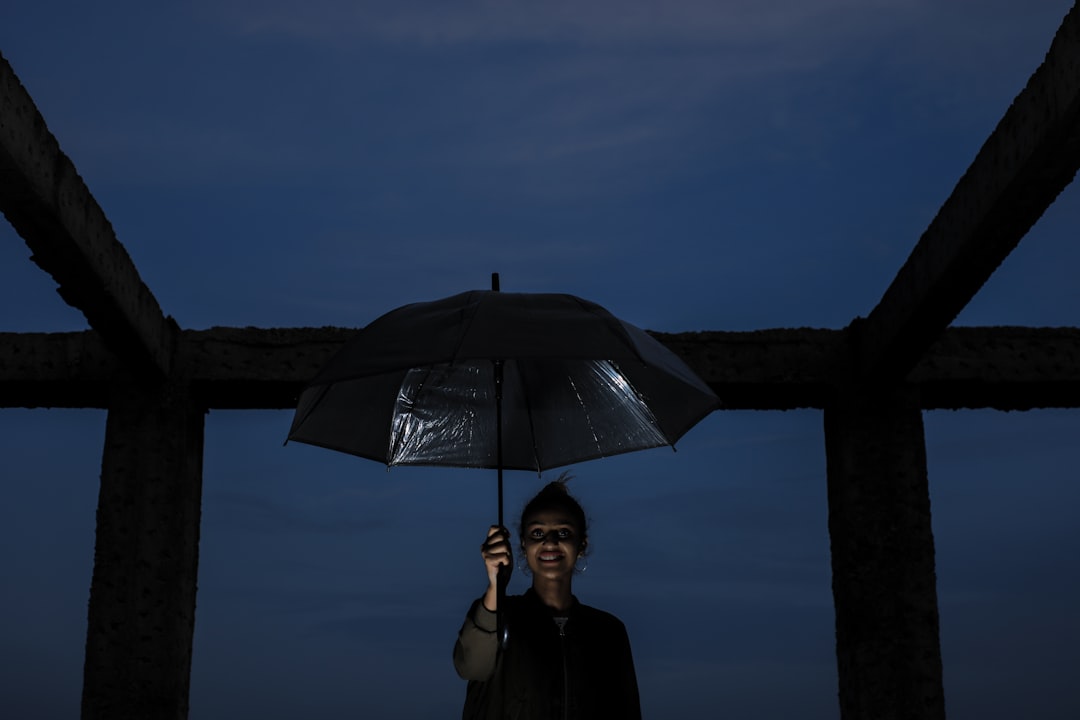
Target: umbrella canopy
[(426, 384)]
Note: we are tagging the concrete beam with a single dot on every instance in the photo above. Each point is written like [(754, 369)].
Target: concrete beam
[(55, 370), (255, 368), (1031, 156), (49, 205), (1006, 368), (884, 584), (141, 617), (763, 369)]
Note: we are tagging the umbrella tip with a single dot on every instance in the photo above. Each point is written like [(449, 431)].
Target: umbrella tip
[(495, 281)]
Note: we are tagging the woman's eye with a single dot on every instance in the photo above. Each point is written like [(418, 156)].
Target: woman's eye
[(564, 533), (538, 534)]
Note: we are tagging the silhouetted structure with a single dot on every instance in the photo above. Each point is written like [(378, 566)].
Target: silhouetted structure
[(872, 379)]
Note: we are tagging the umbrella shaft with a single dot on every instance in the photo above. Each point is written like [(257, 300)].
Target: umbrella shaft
[(498, 433), (504, 570)]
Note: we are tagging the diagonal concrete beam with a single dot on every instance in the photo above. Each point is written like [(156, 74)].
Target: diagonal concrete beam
[(49, 205), (1031, 156)]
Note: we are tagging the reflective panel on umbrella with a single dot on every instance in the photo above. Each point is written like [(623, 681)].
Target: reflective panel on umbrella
[(443, 416), (555, 412)]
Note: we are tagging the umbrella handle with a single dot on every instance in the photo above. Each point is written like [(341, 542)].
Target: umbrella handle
[(501, 581)]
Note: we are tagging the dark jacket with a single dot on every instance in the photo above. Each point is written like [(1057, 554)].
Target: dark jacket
[(582, 672)]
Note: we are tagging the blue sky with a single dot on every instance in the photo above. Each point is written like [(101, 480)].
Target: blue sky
[(728, 165)]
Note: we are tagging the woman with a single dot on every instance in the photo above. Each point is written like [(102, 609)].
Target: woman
[(562, 659)]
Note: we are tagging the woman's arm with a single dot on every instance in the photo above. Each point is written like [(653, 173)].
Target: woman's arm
[(477, 645)]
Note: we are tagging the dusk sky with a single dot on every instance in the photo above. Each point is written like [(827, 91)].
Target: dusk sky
[(690, 165)]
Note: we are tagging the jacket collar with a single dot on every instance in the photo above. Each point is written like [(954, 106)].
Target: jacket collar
[(533, 598)]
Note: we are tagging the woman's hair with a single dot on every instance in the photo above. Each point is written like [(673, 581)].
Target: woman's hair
[(555, 496)]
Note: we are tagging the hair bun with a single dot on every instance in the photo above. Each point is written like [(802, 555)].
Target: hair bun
[(559, 483)]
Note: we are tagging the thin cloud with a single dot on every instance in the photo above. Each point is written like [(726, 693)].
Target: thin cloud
[(255, 513), (597, 22)]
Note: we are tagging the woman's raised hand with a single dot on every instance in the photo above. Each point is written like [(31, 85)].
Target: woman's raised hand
[(496, 552)]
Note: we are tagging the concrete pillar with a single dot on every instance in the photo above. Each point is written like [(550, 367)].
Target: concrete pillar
[(884, 585), (142, 596)]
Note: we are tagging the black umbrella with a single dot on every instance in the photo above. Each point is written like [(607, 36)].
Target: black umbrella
[(499, 380)]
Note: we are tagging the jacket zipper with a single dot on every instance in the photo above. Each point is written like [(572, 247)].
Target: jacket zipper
[(565, 674)]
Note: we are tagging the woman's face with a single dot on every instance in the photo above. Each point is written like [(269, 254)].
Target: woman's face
[(552, 542)]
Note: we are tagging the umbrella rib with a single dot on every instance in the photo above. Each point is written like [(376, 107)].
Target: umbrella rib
[(614, 323), (643, 403), (467, 322), (528, 412), (588, 417), (398, 437), (299, 422)]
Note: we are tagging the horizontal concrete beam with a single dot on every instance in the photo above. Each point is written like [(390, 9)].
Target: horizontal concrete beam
[(49, 205), (1002, 368), (236, 368), (72, 370), (769, 369), (1031, 156), (1006, 368), (763, 369)]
